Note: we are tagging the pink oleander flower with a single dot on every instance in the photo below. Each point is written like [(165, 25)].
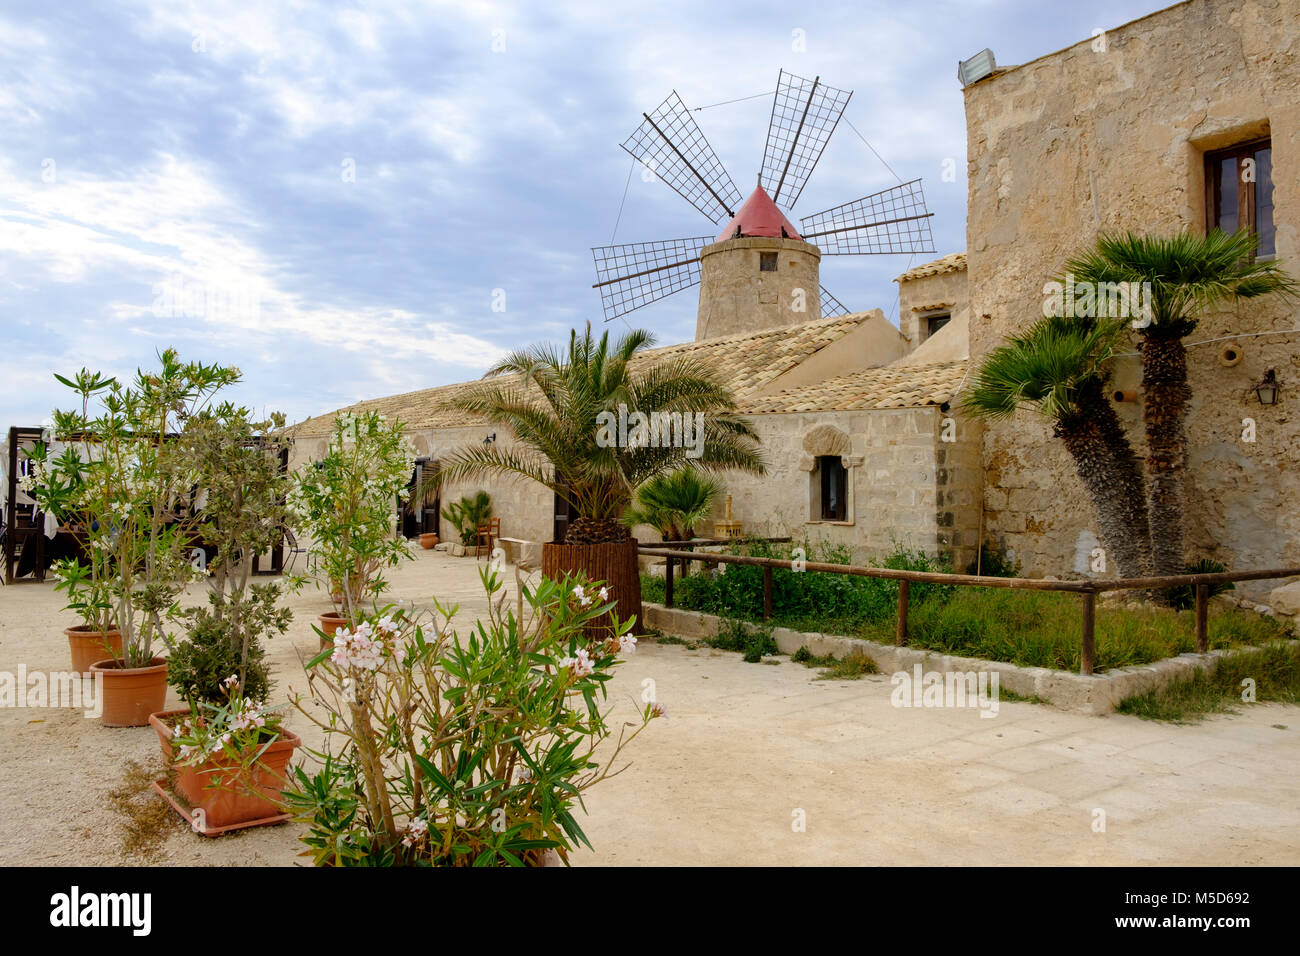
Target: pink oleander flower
[(581, 664), (416, 831), (357, 648)]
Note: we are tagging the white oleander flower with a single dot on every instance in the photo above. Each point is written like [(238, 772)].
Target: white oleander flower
[(627, 644)]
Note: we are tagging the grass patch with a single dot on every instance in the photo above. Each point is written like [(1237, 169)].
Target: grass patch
[(1274, 671), (1026, 628), (752, 640), (851, 667), (1011, 695), (1042, 629)]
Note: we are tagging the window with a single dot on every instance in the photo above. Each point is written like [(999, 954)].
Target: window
[(834, 487), (767, 262), (935, 322), (1239, 192)]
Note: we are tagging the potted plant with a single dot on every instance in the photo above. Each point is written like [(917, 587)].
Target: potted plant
[(467, 514), (226, 753), (567, 412), (84, 579), (442, 750), (348, 503), (121, 476)]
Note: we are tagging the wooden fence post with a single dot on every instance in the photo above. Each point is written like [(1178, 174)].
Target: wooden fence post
[(1088, 649), (668, 583), (904, 587), (767, 593), (1202, 618)]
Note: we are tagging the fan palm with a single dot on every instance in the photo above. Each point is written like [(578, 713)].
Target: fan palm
[(1186, 274), (553, 407), (674, 503), (1060, 368)]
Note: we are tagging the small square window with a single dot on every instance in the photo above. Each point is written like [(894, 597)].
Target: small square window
[(767, 262), (934, 323)]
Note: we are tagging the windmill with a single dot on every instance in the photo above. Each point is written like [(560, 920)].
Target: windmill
[(670, 144)]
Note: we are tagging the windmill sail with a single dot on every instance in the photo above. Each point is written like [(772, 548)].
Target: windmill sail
[(669, 144), (804, 114), (892, 220), (832, 306), (638, 273)]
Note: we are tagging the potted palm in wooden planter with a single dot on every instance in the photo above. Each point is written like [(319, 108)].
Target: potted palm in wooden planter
[(570, 414)]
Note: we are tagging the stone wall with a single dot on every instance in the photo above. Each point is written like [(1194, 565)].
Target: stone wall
[(907, 485), (1089, 140), (525, 508)]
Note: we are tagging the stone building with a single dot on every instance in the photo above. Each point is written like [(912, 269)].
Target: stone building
[(1145, 128)]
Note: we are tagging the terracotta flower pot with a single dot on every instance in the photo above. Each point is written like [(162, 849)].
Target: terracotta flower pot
[(239, 798), (131, 694), (88, 646), (330, 622), (428, 541)]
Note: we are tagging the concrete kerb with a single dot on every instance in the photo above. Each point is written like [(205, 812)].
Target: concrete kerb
[(1096, 694)]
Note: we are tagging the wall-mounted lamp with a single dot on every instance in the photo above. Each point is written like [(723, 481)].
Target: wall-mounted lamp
[(1267, 389), (490, 439)]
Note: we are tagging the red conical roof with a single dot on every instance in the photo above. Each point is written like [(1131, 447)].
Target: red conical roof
[(759, 216)]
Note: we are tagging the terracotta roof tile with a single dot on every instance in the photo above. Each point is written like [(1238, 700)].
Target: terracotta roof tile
[(955, 262), (746, 362), (891, 386)]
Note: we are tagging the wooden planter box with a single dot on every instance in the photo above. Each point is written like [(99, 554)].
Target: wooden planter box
[(614, 563)]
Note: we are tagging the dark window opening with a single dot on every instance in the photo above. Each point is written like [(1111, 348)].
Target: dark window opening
[(1239, 192), (767, 262), (834, 487), (934, 323)]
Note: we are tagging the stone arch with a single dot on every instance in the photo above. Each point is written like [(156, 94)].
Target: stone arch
[(825, 440)]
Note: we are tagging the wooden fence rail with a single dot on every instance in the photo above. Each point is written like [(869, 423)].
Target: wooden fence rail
[(1087, 590)]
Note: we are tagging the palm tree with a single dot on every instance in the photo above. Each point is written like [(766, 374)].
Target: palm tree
[(1060, 368), (673, 504), (556, 404), (1185, 274)]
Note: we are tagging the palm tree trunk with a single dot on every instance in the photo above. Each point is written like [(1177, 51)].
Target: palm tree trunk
[(1109, 469), (1164, 411)]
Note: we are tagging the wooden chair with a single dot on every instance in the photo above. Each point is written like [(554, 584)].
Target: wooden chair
[(486, 535)]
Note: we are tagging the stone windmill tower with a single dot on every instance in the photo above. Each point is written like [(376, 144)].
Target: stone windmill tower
[(760, 272)]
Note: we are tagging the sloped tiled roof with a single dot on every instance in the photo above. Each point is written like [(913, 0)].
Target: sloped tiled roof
[(891, 386), (955, 262), (746, 362)]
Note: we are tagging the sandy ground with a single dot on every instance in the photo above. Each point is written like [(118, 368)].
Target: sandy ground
[(747, 751)]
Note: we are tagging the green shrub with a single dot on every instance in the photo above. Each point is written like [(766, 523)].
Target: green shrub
[(1183, 597), (994, 563)]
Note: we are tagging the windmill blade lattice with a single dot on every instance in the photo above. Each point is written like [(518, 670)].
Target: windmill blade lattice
[(637, 273), (669, 144), (832, 306), (804, 114), (892, 220)]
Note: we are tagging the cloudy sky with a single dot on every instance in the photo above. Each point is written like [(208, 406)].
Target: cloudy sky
[(330, 195)]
